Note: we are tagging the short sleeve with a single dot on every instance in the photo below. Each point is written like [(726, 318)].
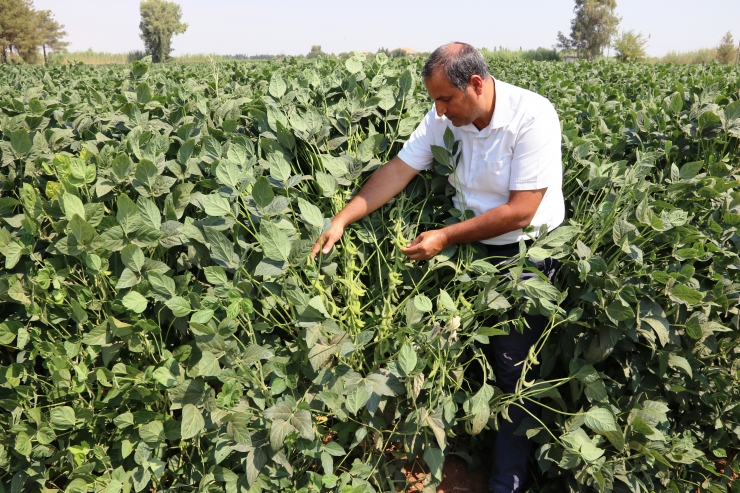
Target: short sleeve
[(536, 162), (417, 151)]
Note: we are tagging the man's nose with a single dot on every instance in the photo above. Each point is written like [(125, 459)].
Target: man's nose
[(441, 110)]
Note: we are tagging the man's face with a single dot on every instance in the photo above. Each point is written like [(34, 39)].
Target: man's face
[(458, 106)]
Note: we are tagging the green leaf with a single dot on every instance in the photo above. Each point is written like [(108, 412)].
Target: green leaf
[(353, 66), (690, 170), (122, 167), (134, 302), (152, 432), (601, 420), (222, 250), (640, 426), (228, 174), (23, 444), (13, 254), (186, 151), (387, 99), (192, 422), (127, 214), (441, 155), (150, 213), (279, 167), (275, 242), (180, 306), (693, 328), (448, 138), (445, 301), (146, 173), (45, 435), (407, 358), (21, 142), (327, 183), (423, 303), (215, 275), (277, 86), (591, 452), (162, 284), (676, 104), (311, 214), (278, 431), (256, 460), (686, 294), (262, 192), (208, 365), (77, 485), (215, 205), (661, 328), (435, 459), (537, 289), (81, 230), (357, 397), (62, 418), (133, 258), (676, 361), (73, 205), (617, 311)]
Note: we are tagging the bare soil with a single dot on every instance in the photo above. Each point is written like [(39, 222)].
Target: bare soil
[(455, 478)]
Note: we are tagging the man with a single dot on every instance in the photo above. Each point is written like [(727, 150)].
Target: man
[(510, 176)]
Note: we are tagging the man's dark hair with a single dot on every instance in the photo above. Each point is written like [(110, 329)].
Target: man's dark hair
[(458, 61)]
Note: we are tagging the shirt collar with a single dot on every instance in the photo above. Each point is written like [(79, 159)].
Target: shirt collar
[(502, 113)]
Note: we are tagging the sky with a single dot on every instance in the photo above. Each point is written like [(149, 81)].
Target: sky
[(291, 27)]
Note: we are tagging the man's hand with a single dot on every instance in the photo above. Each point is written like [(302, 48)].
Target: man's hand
[(328, 239), (426, 245)]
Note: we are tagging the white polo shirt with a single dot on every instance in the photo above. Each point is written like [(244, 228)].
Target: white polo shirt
[(518, 150)]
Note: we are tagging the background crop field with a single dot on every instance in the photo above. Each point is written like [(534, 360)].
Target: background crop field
[(163, 327)]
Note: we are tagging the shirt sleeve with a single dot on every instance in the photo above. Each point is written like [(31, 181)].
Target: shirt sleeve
[(537, 162), (417, 151)]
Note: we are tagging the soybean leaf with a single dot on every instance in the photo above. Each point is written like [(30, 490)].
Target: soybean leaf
[(262, 192), (192, 421), (134, 302), (275, 243)]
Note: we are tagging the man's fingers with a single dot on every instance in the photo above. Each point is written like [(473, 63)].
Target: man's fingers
[(324, 242), (327, 245), (416, 241), (411, 249)]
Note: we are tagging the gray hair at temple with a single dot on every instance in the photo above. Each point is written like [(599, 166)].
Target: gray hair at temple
[(459, 61)]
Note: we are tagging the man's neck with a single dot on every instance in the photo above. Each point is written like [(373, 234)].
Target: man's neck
[(489, 104)]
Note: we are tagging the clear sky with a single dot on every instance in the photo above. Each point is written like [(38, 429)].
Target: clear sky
[(292, 26)]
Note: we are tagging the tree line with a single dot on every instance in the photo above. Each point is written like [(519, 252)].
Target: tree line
[(25, 32), (595, 27)]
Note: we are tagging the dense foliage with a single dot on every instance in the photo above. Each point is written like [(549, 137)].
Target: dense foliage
[(164, 328)]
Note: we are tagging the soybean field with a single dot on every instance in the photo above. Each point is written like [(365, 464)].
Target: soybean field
[(164, 328)]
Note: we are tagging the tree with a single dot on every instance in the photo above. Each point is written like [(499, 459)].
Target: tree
[(315, 52), (630, 46), (160, 20), (18, 27), (50, 32), (592, 29), (726, 51)]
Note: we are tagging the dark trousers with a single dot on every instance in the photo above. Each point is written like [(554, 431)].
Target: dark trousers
[(511, 452)]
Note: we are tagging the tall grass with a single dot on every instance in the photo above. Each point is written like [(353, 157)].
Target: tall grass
[(704, 55), (90, 57), (540, 54)]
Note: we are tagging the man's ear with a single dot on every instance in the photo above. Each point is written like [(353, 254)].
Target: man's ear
[(476, 82)]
